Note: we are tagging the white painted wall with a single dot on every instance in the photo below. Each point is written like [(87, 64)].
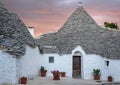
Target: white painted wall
[(88, 63), (7, 68), (11, 69), (61, 63), (18, 68), (92, 61), (114, 69), (30, 62)]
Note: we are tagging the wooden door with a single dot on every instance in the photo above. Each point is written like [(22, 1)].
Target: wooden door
[(76, 66)]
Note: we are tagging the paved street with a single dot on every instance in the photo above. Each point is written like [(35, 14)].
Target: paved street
[(63, 81)]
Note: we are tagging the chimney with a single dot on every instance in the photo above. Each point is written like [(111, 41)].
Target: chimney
[(31, 30)]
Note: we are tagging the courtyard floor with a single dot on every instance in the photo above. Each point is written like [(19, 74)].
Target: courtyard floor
[(65, 81)]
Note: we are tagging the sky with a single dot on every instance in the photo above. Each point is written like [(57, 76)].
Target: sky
[(50, 15)]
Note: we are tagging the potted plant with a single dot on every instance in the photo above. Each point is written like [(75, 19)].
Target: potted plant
[(62, 74), (110, 78), (56, 75), (23, 80), (43, 71), (96, 74)]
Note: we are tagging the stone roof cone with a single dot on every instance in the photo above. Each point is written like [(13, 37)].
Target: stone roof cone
[(81, 29), (79, 19), (14, 35)]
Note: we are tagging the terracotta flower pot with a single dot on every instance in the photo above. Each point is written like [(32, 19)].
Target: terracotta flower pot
[(110, 79), (56, 76), (23, 80), (63, 74), (96, 77), (43, 73)]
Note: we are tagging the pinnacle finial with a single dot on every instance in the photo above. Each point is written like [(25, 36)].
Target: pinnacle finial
[(80, 4)]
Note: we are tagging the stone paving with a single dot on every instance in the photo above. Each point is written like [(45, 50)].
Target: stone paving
[(65, 81)]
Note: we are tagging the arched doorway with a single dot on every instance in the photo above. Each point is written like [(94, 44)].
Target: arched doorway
[(77, 65)]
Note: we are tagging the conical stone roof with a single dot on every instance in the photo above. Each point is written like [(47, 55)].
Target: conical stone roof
[(81, 29), (78, 21), (14, 35)]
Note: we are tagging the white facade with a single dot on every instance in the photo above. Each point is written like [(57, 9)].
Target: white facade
[(61, 63), (88, 63), (29, 62), (95, 61), (29, 65), (11, 68)]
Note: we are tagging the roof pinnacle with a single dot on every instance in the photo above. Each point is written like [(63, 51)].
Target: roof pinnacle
[(80, 4)]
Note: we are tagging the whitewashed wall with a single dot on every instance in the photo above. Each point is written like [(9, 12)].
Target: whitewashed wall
[(7, 68), (30, 62), (11, 69), (18, 69), (93, 61), (114, 69), (88, 63), (61, 63)]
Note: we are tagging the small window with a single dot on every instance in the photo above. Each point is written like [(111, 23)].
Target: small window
[(107, 62), (51, 59)]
